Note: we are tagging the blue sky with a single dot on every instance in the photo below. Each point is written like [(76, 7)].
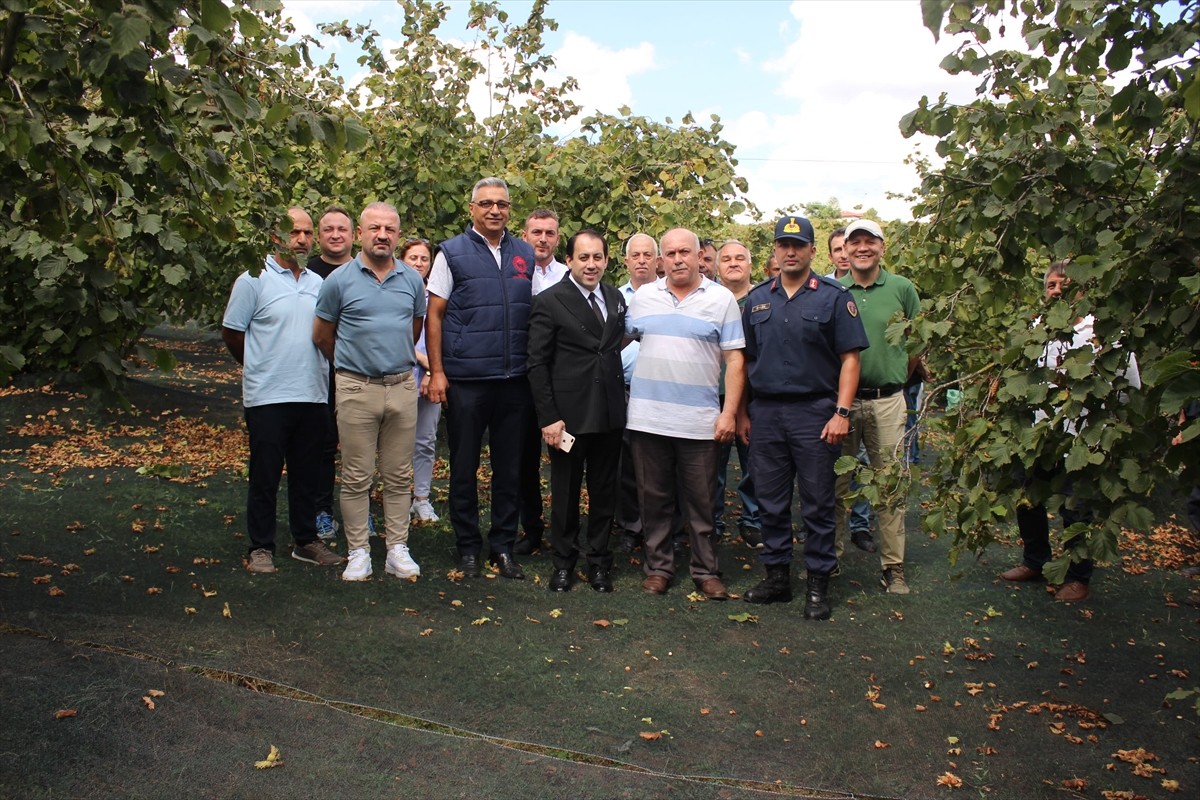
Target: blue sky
[(810, 91)]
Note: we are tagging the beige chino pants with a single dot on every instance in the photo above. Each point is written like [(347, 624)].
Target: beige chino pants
[(880, 425), (376, 423)]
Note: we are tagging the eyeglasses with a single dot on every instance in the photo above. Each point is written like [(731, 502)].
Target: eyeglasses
[(415, 240), (486, 205)]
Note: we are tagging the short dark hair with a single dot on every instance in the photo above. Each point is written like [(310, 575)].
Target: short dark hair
[(586, 232), (708, 243), (335, 209), (836, 233), (541, 213)]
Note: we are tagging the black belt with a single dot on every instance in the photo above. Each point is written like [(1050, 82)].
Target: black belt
[(382, 380), (876, 394)]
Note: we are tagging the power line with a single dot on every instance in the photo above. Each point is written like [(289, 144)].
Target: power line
[(814, 160)]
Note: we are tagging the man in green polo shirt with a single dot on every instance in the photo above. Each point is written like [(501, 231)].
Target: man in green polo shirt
[(878, 413)]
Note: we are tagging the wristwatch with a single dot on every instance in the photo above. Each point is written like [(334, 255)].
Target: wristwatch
[(842, 411)]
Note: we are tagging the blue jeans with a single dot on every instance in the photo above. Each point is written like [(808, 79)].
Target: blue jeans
[(913, 450), (860, 512)]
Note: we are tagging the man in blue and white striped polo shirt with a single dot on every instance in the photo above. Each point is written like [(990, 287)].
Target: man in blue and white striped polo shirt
[(687, 326)]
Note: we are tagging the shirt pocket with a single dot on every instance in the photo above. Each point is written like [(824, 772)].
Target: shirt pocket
[(813, 322)]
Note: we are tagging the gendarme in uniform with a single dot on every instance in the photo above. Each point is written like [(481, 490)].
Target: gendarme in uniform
[(803, 336)]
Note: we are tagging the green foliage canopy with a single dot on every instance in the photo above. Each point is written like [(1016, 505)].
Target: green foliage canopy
[(1084, 147), (150, 146)]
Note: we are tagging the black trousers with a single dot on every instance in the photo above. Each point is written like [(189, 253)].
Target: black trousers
[(598, 456), (291, 434), (327, 464), (532, 519), (500, 408), (1034, 524)]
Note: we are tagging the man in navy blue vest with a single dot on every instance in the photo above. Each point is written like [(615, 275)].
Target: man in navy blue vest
[(477, 333)]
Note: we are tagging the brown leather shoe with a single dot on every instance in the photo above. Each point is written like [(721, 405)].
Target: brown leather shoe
[(1021, 574), (655, 584), (1073, 592), (713, 589)]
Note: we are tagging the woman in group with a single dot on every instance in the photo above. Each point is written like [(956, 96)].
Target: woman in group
[(418, 254)]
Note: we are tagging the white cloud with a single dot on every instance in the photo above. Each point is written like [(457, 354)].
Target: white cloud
[(603, 74), (846, 79)]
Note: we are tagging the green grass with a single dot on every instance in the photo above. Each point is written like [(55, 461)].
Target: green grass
[(498, 688)]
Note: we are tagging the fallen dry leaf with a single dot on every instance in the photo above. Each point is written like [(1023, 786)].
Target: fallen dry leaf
[(650, 736), (949, 779), (226, 613), (1075, 784), (149, 703), (154, 590), (272, 760), (556, 613), (1170, 785), (189, 610), (880, 745), (65, 713), (155, 692), (704, 712), (56, 592), (42, 579), (602, 623)]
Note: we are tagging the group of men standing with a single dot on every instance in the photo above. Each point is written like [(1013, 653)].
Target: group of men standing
[(643, 391)]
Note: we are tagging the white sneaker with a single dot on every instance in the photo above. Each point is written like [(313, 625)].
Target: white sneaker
[(400, 562), (359, 568), (423, 511)]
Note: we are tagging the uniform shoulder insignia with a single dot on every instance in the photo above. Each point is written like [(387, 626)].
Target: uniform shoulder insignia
[(850, 307), (760, 307), (813, 283)]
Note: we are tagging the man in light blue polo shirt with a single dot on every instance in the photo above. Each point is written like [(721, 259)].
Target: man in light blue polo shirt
[(268, 329), (368, 319)]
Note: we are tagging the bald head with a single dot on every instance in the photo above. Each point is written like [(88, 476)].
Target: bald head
[(298, 241)]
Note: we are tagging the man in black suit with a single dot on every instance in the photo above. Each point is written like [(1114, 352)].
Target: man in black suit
[(575, 332)]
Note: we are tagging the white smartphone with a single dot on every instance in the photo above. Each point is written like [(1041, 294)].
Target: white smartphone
[(565, 442)]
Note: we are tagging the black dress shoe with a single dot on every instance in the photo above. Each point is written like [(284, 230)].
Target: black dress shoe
[(630, 542), (679, 548), (561, 580), (600, 579), (526, 545), (469, 565), (863, 541), (508, 566)]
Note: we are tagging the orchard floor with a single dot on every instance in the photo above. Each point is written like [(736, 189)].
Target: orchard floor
[(140, 659)]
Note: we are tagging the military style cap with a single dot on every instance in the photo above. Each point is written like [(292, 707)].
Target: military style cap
[(794, 228)]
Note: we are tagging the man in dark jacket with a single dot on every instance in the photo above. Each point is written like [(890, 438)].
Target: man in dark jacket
[(575, 334), (477, 340)]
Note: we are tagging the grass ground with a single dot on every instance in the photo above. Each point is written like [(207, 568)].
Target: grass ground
[(121, 548)]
